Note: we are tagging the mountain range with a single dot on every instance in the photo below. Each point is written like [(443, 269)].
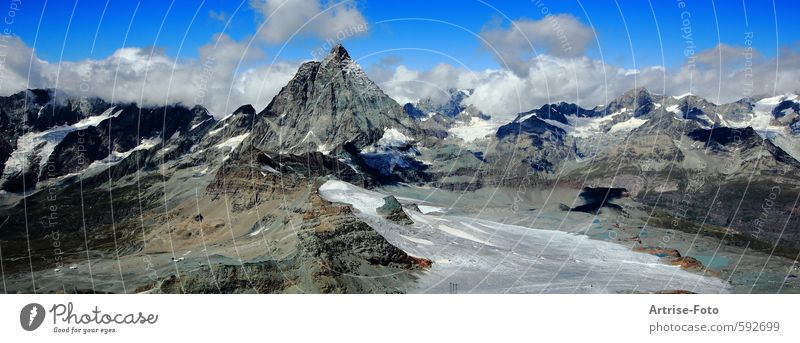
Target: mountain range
[(106, 180)]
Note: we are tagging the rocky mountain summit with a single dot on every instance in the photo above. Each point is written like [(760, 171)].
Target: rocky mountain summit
[(327, 105)]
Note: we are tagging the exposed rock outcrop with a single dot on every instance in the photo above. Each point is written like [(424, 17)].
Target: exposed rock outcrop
[(393, 210)]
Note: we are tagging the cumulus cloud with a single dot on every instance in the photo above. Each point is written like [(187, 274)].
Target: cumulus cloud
[(229, 73), (408, 85), (284, 18), (560, 35), (726, 56), (722, 74), (221, 79)]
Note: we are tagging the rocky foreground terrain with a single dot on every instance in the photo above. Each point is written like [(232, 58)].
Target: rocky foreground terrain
[(334, 187)]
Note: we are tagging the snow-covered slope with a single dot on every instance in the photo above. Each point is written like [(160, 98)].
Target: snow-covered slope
[(490, 257), (763, 120), (477, 128), (38, 146)]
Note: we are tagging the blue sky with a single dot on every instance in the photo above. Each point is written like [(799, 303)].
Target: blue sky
[(443, 26)]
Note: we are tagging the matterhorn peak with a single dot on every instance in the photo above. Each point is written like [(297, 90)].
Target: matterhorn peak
[(337, 54)]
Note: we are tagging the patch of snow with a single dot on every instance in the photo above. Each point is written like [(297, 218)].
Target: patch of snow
[(324, 149), (628, 125), (706, 119), (787, 142), (268, 169), (392, 150), (226, 117), (198, 124), (582, 127), (589, 126), (427, 116), (309, 137), (357, 75), (559, 124), (723, 121), (393, 138), (477, 128), (425, 209), (202, 172), (526, 117), (775, 100), (224, 125), (261, 228), (233, 142), (147, 143), (362, 199), (675, 109), (678, 97), (762, 120), (44, 143), (96, 120), (116, 156)]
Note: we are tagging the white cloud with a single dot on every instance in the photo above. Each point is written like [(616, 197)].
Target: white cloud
[(560, 35), (587, 82), (407, 85), (284, 18), (147, 76), (724, 55), (227, 74)]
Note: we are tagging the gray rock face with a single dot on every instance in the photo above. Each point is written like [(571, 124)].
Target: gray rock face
[(37, 110), (393, 210), (55, 148), (326, 105), (335, 250), (788, 113), (560, 111), (41, 109), (540, 145), (639, 100)]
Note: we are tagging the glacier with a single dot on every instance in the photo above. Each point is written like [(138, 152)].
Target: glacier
[(484, 256)]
